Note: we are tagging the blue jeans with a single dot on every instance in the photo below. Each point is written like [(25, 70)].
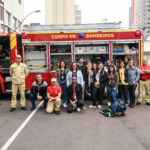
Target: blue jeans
[(112, 93), (33, 98), (64, 90)]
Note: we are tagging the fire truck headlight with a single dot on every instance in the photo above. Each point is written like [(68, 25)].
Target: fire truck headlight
[(138, 33), (24, 36)]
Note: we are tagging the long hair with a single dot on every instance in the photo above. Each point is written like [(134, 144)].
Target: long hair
[(96, 66), (103, 67), (71, 66), (64, 63), (101, 63), (114, 71), (120, 63)]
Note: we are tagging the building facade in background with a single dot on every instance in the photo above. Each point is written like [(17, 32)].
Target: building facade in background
[(141, 16), (130, 17), (11, 15), (77, 15), (59, 12)]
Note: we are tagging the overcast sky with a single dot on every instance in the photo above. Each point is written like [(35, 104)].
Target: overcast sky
[(93, 11)]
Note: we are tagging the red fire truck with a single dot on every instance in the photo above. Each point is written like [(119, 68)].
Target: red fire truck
[(41, 51)]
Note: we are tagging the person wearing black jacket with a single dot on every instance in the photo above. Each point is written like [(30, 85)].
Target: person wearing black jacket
[(38, 91), (74, 96), (83, 69), (99, 83)]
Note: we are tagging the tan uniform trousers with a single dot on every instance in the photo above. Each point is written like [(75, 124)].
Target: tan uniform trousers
[(15, 88), (53, 105), (144, 85)]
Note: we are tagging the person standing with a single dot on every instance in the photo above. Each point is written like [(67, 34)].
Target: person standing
[(123, 82), (61, 75), (144, 83), (38, 91), (90, 82), (133, 78), (83, 69), (126, 61), (107, 66), (74, 71), (113, 80), (54, 98), (99, 82), (74, 96), (18, 72)]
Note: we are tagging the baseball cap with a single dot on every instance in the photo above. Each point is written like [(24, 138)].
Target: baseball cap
[(53, 80)]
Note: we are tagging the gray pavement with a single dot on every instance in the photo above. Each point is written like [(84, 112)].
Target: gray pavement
[(87, 130)]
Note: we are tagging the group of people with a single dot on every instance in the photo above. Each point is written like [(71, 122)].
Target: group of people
[(120, 81), (68, 86)]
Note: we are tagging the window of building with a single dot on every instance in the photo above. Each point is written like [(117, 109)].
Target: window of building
[(7, 21), (20, 1), (1, 13), (148, 27), (14, 22)]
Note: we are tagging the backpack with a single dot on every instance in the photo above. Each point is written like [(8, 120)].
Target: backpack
[(114, 110)]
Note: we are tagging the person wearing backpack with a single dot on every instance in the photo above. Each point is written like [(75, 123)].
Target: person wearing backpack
[(133, 78)]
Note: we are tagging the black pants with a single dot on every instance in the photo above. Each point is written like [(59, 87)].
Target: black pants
[(123, 89), (132, 89), (33, 98), (80, 103), (97, 94), (91, 92)]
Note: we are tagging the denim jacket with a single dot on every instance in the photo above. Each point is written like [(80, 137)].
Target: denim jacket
[(79, 78), (133, 75)]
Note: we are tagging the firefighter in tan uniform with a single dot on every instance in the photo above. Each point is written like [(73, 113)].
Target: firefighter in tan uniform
[(19, 72), (144, 83)]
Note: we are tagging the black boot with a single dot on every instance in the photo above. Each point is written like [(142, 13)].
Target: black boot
[(12, 109), (23, 108)]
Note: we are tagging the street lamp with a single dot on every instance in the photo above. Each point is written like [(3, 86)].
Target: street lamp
[(36, 11)]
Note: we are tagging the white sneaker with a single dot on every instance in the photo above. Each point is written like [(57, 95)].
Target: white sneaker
[(78, 109), (64, 105), (84, 107), (92, 106), (99, 106), (108, 103)]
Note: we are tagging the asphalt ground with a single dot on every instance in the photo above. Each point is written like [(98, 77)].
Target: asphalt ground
[(87, 130)]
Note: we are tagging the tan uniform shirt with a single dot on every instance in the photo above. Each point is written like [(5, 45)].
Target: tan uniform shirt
[(18, 73)]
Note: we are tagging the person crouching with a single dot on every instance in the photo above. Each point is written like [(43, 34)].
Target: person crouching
[(38, 91), (74, 96), (54, 97)]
